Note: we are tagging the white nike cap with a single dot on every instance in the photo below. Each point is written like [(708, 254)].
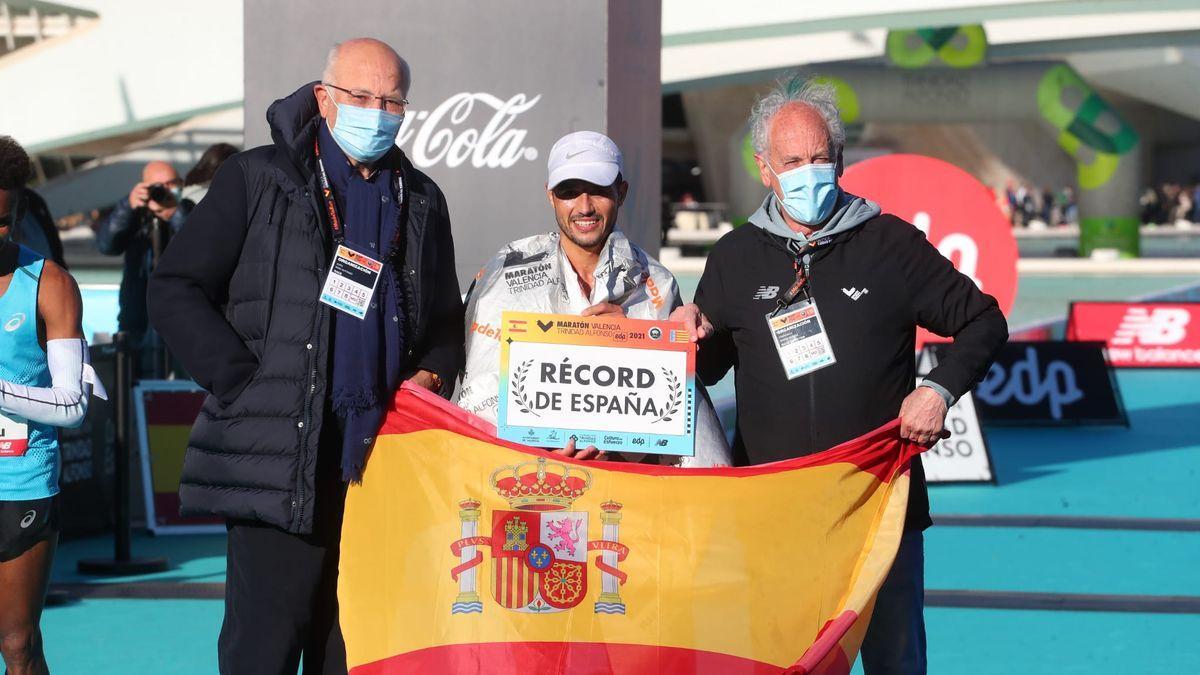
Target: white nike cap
[(584, 155)]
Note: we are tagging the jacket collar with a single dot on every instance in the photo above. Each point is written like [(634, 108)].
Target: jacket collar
[(619, 269)]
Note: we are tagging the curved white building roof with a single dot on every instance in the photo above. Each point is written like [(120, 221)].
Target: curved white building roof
[(145, 64)]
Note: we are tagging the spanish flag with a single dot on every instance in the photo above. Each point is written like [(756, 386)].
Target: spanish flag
[(463, 554)]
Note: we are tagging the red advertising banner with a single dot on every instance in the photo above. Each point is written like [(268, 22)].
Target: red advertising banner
[(957, 213), (1140, 334)]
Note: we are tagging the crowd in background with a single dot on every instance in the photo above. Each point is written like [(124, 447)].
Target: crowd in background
[(1170, 204), (1026, 205)]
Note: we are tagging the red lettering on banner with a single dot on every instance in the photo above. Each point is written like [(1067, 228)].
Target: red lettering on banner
[(957, 213), (1140, 334)]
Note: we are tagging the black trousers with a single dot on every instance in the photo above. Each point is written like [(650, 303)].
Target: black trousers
[(281, 606), (895, 639)]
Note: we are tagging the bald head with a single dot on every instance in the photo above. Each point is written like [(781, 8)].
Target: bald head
[(159, 172), (366, 56)]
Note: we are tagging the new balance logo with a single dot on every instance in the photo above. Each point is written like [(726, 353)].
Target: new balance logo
[(853, 293), (1163, 326), (766, 293)]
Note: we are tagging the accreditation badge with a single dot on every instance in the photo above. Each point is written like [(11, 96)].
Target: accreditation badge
[(351, 282), (800, 339), (14, 437)]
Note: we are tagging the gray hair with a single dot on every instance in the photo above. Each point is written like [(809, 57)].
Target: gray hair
[(810, 91), (330, 61)]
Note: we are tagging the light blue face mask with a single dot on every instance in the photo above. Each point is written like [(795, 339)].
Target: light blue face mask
[(365, 134), (809, 192)]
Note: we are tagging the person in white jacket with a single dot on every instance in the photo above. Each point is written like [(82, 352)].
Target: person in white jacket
[(587, 268)]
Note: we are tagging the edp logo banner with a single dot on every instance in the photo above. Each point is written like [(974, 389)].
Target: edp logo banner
[(1051, 383)]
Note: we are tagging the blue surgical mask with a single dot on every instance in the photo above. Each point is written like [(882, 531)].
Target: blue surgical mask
[(809, 192), (365, 134)]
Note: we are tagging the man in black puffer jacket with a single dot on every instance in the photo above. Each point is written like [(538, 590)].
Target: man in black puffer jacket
[(297, 388)]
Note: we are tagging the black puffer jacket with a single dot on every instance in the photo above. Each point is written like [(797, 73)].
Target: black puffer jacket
[(235, 298)]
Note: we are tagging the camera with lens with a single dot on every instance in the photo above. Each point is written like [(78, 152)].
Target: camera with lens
[(160, 193)]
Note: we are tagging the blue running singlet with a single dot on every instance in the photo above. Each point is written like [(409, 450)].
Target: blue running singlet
[(30, 472)]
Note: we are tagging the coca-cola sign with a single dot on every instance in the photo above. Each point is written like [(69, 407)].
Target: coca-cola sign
[(470, 128), (491, 92)]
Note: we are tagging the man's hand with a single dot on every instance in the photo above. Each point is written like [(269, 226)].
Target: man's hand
[(428, 380), (139, 195), (590, 452), (604, 309), (694, 320), (923, 416)]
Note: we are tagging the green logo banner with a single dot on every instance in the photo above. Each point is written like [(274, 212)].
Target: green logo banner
[(1092, 121), (953, 46)]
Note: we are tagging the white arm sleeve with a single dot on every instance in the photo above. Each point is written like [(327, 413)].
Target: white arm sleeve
[(64, 403)]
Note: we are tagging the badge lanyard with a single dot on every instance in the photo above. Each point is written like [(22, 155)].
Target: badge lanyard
[(801, 265), (335, 222), (798, 332), (353, 276)]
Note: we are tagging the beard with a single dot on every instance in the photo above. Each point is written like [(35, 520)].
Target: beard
[(588, 240)]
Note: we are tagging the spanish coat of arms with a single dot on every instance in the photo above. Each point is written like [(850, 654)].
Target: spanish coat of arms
[(539, 547)]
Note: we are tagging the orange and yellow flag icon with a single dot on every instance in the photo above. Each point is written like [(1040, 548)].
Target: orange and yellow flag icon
[(465, 554)]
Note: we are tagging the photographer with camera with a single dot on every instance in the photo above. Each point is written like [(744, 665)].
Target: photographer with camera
[(140, 226)]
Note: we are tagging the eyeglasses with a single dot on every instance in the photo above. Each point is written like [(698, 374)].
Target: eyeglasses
[(365, 99)]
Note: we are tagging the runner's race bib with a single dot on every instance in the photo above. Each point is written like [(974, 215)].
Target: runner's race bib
[(14, 437)]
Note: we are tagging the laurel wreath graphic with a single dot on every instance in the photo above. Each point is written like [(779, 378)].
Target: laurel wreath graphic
[(674, 396), (519, 391)]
